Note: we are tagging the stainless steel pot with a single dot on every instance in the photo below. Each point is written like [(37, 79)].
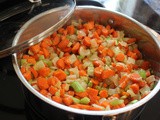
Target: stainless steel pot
[(148, 44)]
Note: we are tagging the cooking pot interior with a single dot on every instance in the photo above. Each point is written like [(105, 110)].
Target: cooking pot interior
[(148, 45)]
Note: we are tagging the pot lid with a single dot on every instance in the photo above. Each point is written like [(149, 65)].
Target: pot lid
[(38, 27)]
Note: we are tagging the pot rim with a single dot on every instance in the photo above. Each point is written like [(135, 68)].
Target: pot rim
[(87, 112)]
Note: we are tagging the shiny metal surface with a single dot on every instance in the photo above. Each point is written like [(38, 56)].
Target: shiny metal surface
[(40, 27), (144, 11), (119, 21)]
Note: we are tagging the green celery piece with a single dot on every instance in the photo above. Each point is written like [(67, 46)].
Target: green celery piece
[(116, 102), (142, 73), (85, 100), (77, 86), (23, 61), (39, 65), (133, 101), (90, 84), (108, 38), (48, 62), (41, 57), (80, 57), (75, 100)]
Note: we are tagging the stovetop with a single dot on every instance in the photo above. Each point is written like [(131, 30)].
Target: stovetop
[(13, 105)]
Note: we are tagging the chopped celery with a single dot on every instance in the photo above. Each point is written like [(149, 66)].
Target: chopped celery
[(77, 86), (75, 100), (98, 87), (58, 84), (48, 62), (67, 72), (108, 38), (41, 57), (116, 102), (80, 57), (85, 100), (90, 84), (90, 70), (133, 101), (23, 61), (84, 78), (57, 93), (142, 73), (39, 65), (30, 52)]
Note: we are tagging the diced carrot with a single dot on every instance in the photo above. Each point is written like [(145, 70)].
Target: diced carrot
[(42, 83), (63, 43), (62, 92), (60, 74), (103, 93), (94, 108), (57, 99), (54, 34), (52, 90), (26, 56), (82, 73), (105, 32), (119, 68), (104, 53), (93, 95), (23, 69), (44, 72), (108, 27), (67, 100), (107, 73), (131, 40), (31, 60), (135, 77), (110, 52), (44, 44), (44, 92), (141, 84), (96, 63), (95, 35), (87, 41), (35, 48), (94, 81), (34, 72), (71, 93), (125, 94), (27, 75), (89, 25), (135, 88), (52, 81), (115, 34), (120, 57), (56, 40), (45, 52), (123, 82), (60, 63), (138, 53), (80, 106), (105, 104), (98, 72), (76, 47), (105, 85), (76, 63), (81, 94), (71, 29), (60, 30)]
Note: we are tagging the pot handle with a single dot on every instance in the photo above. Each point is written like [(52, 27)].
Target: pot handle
[(109, 117)]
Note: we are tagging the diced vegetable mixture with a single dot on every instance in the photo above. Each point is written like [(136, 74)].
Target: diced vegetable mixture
[(88, 66)]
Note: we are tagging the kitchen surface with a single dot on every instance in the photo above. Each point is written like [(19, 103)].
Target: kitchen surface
[(13, 103)]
